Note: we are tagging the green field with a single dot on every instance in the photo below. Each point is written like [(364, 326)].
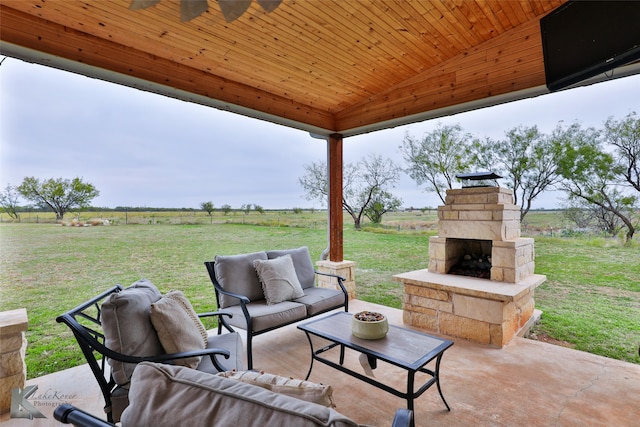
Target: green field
[(591, 298)]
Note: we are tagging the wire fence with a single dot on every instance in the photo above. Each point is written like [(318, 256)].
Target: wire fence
[(99, 218)]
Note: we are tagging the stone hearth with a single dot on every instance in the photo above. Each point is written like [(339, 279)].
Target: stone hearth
[(489, 311)]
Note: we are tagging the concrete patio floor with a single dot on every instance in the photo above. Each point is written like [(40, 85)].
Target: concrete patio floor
[(527, 383)]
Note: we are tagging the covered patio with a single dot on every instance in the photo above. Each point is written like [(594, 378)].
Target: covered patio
[(527, 383), (337, 69), (334, 69)]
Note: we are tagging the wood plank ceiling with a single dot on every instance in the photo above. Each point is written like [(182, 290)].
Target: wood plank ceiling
[(325, 66)]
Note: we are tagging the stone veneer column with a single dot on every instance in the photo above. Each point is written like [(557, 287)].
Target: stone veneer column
[(13, 345), (346, 269)]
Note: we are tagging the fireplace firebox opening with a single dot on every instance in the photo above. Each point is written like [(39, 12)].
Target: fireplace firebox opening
[(469, 257)]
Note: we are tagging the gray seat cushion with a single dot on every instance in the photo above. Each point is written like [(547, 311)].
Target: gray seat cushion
[(165, 395), (302, 263), (235, 273), (267, 316), (318, 300), (230, 341)]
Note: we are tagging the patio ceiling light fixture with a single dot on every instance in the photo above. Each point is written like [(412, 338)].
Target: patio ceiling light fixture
[(231, 9)]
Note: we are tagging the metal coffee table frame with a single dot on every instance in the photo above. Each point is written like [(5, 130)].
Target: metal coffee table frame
[(405, 348)]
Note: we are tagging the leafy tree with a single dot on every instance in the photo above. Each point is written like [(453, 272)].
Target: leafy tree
[(381, 203), (258, 208), (590, 173), (246, 208), (207, 207), (225, 209), (9, 201), (363, 183), (525, 159), (437, 158), (59, 195)]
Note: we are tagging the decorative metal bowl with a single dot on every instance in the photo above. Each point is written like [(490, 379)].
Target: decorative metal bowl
[(369, 325)]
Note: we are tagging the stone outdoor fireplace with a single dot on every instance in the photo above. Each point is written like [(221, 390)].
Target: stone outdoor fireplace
[(480, 282)]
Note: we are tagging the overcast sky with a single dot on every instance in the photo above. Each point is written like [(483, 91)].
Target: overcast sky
[(143, 149)]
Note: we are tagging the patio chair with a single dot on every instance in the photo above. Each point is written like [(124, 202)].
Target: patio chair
[(112, 359)]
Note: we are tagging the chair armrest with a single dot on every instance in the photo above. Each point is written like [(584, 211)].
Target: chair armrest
[(211, 352), (185, 354), (341, 284), (403, 418), (215, 313), (221, 321), (68, 414), (243, 299)]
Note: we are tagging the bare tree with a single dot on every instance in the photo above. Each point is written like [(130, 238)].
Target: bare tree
[(9, 198), (525, 159), (592, 174), (437, 157), (363, 184), (586, 215), (625, 136)]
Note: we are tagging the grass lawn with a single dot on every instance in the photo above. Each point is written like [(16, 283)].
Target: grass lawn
[(591, 298)]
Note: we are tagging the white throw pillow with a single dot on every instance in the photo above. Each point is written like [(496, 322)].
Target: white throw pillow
[(279, 279), (178, 326), (304, 390)]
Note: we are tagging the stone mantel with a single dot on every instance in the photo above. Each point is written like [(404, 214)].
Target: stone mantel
[(471, 286), (479, 310)]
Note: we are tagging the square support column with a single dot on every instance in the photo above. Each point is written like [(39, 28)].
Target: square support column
[(346, 269), (13, 346)]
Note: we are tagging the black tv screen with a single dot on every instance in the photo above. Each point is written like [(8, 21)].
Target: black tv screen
[(582, 39)]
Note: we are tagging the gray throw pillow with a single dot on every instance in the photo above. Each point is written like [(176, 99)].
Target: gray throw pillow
[(302, 263), (279, 279), (127, 326), (235, 273)]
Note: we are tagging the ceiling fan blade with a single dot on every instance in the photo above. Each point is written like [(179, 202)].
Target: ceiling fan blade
[(233, 9), (190, 9), (142, 4), (269, 5)]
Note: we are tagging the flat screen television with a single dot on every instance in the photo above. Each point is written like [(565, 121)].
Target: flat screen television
[(582, 39)]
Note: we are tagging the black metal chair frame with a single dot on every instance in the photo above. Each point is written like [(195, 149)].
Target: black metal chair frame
[(85, 321), (245, 300)]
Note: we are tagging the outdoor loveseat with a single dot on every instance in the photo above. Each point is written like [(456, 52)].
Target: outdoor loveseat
[(165, 395), (270, 289), (120, 328)]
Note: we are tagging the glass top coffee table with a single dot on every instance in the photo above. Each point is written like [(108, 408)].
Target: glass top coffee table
[(405, 348)]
